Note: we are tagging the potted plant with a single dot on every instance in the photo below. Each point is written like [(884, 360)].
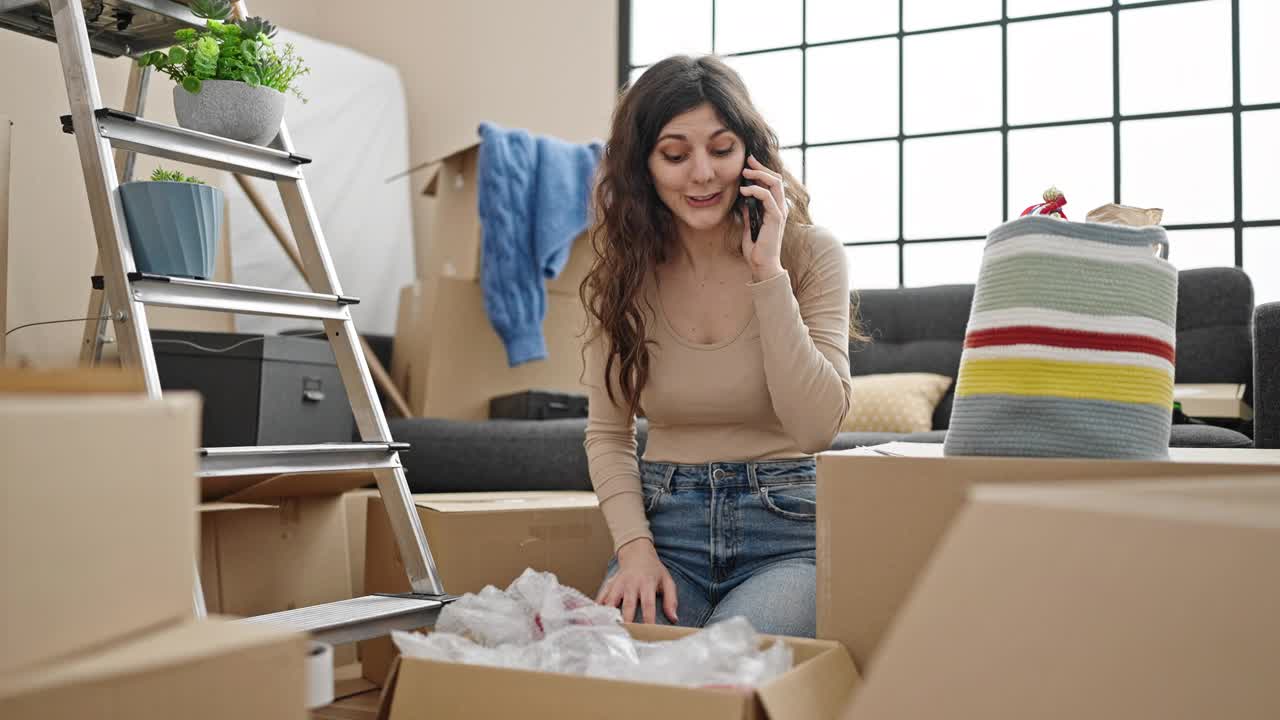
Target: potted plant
[(174, 222), (231, 77)]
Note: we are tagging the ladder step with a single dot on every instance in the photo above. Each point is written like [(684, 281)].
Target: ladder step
[(130, 132), (204, 295), (281, 459), (150, 26), (360, 618)]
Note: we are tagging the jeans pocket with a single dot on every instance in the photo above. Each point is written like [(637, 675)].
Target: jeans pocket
[(797, 501), (652, 496)]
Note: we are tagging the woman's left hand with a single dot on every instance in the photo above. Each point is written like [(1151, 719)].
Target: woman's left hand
[(765, 254)]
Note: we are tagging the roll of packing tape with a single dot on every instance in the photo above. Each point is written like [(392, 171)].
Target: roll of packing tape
[(319, 675)]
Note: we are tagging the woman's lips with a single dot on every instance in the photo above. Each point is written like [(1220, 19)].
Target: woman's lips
[(703, 200)]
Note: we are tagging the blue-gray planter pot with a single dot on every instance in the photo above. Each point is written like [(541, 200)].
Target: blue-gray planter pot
[(173, 227)]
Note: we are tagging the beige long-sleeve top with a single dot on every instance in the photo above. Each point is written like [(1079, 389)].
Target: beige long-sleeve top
[(779, 389)]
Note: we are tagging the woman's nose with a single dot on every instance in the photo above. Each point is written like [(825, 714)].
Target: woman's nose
[(703, 170)]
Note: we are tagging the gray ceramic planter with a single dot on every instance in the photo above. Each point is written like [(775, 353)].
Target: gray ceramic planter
[(173, 227), (231, 109)]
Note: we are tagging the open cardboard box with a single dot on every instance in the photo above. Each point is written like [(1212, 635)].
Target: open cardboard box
[(280, 542), (472, 368), (480, 539), (818, 686), (97, 533), (1122, 600), (197, 670), (453, 246), (880, 519)]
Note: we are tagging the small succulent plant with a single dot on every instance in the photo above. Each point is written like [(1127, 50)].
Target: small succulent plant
[(162, 175), (211, 9), (254, 26)]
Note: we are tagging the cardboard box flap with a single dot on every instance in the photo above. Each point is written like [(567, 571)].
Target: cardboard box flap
[(214, 507), (818, 687), (70, 380), (506, 501), (425, 688), (1057, 604), (260, 488), (1248, 502), (430, 188), (182, 643)]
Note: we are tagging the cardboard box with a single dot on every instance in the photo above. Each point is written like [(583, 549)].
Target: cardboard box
[(258, 559), (404, 348), (97, 533), (881, 518), (1213, 400), (454, 242), (200, 670), (480, 539), (357, 505), (817, 687), (1125, 602), (463, 363), (363, 706)]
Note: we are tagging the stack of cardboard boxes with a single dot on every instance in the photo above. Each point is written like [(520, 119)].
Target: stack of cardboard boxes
[(447, 359), (99, 554)]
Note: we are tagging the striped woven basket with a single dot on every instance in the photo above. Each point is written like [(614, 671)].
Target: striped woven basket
[(1069, 351)]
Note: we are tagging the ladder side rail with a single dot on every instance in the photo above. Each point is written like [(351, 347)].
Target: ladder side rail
[(101, 183), (318, 267)]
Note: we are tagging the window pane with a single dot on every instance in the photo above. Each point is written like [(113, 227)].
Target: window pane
[(1262, 262), (1183, 165), (660, 28), (854, 190), (942, 263), (852, 91), (872, 266), (843, 19), (1260, 148), (1023, 8), (756, 24), (1202, 248), (635, 75), (793, 161), (952, 80), (1259, 52), (952, 185), (923, 14), (1077, 159), (773, 79), (1078, 50), (1175, 57)]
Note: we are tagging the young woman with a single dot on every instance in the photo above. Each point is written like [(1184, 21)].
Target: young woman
[(732, 344)]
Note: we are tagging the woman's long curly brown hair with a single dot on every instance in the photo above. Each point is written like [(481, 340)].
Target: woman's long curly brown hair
[(634, 230)]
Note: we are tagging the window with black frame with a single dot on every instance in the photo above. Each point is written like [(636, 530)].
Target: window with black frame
[(919, 125)]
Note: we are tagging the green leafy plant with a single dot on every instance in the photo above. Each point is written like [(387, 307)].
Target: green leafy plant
[(162, 175), (240, 50)]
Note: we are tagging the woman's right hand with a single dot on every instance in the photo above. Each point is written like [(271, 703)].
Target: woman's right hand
[(640, 577)]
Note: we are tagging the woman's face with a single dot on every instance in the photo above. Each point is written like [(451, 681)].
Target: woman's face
[(696, 167)]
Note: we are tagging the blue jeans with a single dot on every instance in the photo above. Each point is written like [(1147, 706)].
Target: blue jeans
[(738, 539)]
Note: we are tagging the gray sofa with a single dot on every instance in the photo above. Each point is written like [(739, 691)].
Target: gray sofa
[(912, 330)]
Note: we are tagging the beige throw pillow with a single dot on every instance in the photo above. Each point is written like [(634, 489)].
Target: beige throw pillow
[(895, 402)]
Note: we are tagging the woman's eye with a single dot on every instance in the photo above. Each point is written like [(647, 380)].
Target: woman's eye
[(673, 158), (722, 153)]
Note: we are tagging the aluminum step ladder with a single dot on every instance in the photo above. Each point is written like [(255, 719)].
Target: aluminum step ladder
[(97, 131)]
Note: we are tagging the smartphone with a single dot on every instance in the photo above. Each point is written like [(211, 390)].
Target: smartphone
[(755, 213)]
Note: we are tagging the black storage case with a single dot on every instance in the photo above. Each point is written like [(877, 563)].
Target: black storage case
[(538, 405), (275, 390)]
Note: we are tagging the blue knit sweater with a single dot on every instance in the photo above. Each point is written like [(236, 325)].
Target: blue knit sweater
[(533, 197)]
